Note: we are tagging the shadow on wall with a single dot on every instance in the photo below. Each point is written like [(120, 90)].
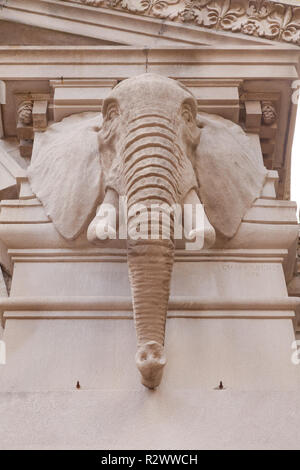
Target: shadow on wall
[(5, 282)]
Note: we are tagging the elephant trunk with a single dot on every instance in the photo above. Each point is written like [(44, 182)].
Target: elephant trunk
[(151, 160)]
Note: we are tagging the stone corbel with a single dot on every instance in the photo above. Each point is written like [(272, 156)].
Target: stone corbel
[(253, 116), (260, 116), (32, 117), (269, 114), (24, 128), (39, 115), (268, 131), (259, 113)]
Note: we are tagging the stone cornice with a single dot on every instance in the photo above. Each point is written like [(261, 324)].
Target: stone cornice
[(257, 18)]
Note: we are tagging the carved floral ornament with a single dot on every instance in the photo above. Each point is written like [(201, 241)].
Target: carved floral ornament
[(25, 112), (269, 114), (260, 18)]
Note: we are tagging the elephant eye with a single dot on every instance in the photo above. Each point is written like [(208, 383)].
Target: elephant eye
[(112, 112), (187, 115)]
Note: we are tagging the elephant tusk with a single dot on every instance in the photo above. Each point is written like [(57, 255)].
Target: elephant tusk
[(202, 233), (104, 224), (105, 230)]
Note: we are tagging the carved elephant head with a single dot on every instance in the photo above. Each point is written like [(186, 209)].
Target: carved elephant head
[(154, 148)]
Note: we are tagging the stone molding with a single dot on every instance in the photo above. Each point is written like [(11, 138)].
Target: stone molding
[(256, 18), (176, 304)]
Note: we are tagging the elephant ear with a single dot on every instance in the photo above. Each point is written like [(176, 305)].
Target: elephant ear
[(230, 173), (65, 171)]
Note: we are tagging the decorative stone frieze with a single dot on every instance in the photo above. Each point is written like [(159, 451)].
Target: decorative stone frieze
[(259, 18)]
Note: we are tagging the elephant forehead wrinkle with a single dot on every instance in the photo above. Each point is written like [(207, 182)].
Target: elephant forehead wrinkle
[(163, 224), (150, 130), (150, 122), (147, 231), (148, 167), (156, 182), (158, 177), (152, 156), (147, 143), (164, 218), (157, 161), (156, 207), (138, 195), (153, 202), (152, 168), (146, 114), (149, 198), (147, 132), (164, 209)]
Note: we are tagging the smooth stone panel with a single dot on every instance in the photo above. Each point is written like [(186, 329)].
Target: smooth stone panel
[(228, 279), (143, 419), (70, 278), (246, 354)]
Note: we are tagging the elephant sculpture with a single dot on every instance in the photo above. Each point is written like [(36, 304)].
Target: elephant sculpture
[(153, 147)]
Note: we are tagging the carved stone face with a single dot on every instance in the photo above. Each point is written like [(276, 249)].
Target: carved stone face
[(143, 108), (147, 143), (153, 148)]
